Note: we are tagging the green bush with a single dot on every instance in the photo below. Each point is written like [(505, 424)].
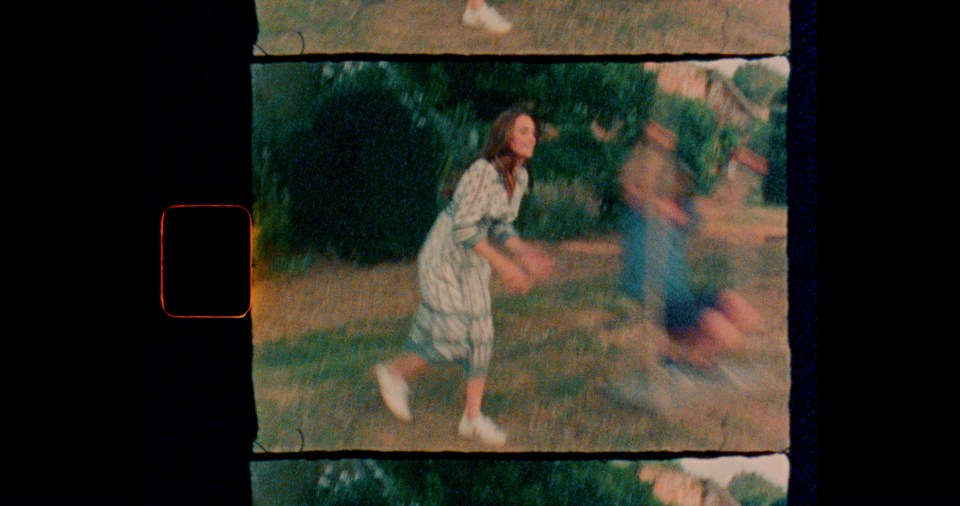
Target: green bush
[(702, 143), (758, 82), (558, 210), (574, 154), (364, 183), (577, 155), (271, 212), (462, 136), (284, 483), (442, 482), (597, 482), (758, 136), (775, 184), (483, 482), (321, 482), (751, 489), (284, 103)]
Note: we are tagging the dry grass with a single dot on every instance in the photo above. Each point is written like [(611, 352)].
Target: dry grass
[(330, 294), (540, 27), (563, 353)]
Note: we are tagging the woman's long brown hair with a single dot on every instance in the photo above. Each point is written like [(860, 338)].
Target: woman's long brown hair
[(497, 151)]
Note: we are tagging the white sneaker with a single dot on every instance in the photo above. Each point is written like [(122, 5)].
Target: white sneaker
[(487, 18), (394, 392), (483, 429)]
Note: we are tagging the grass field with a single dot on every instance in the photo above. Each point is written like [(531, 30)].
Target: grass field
[(539, 27), (558, 350)]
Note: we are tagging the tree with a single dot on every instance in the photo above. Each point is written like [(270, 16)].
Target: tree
[(775, 183), (780, 502), (702, 143), (481, 482), (751, 489), (559, 93), (284, 103), (758, 82)]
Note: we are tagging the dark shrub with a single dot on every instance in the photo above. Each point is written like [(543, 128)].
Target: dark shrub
[(702, 143), (577, 155), (365, 182), (559, 210), (775, 184)]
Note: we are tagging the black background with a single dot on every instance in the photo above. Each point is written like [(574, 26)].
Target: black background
[(205, 261), (198, 414)]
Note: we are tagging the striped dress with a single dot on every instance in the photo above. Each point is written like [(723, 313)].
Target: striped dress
[(453, 322)]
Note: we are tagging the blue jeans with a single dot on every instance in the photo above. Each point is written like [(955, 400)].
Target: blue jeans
[(683, 304), (634, 228), (670, 275)]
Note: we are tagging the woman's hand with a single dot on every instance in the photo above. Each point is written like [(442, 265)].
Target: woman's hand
[(516, 280), (533, 259), (537, 263), (513, 276)]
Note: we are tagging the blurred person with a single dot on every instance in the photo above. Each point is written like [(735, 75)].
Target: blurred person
[(453, 322), (659, 189), (637, 180), (480, 15)]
